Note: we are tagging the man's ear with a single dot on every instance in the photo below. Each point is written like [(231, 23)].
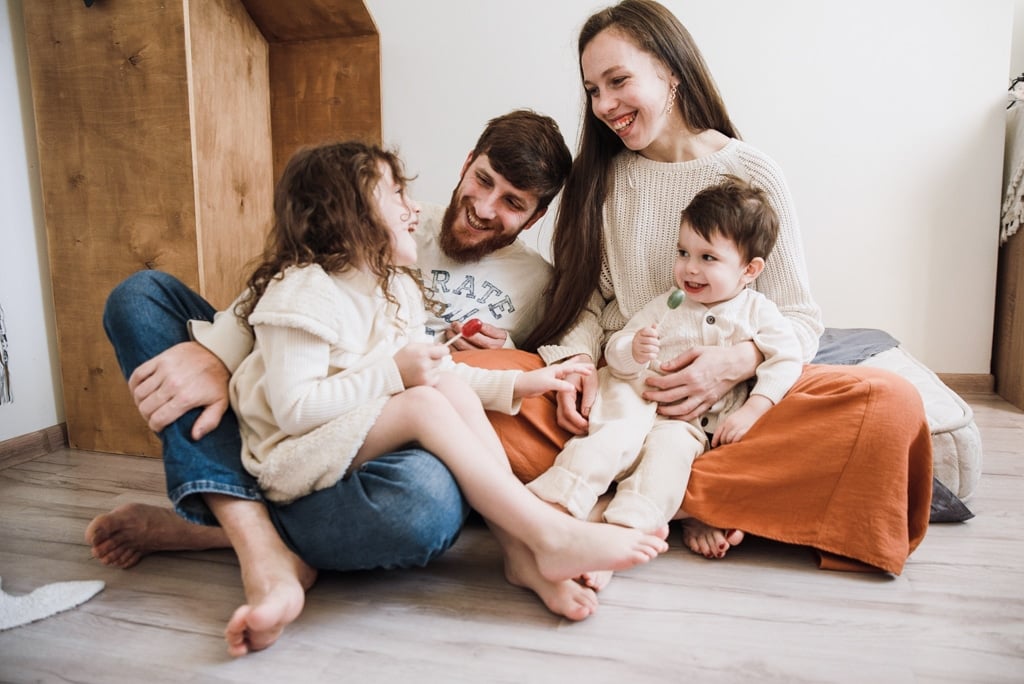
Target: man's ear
[(537, 216), (753, 270), (465, 164)]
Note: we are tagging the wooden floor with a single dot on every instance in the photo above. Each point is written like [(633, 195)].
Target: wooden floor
[(765, 613)]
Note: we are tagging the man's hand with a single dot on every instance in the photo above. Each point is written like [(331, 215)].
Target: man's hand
[(696, 379), (573, 416), (489, 337), (177, 380)]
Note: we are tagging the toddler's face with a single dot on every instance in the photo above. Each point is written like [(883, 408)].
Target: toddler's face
[(709, 272)]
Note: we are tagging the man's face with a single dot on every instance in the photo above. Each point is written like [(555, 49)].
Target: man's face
[(486, 213)]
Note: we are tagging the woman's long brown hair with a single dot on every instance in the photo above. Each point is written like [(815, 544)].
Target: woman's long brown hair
[(576, 242)]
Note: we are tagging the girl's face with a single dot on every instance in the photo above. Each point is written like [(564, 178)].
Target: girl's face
[(711, 272), (400, 214), (629, 89)]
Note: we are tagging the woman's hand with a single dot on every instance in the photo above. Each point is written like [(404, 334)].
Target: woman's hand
[(574, 404), (696, 379), (418, 363)]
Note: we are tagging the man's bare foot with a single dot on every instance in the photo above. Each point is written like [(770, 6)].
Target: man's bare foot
[(572, 548), (596, 579), (124, 535), (275, 593), (566, 598), (707, 541)]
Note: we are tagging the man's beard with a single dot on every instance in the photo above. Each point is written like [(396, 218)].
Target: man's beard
[(464, 254)]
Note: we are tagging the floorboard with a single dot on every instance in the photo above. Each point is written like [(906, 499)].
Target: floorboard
[(765, 613)]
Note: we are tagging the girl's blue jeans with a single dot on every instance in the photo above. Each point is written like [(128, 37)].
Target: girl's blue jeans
[(400, 510)]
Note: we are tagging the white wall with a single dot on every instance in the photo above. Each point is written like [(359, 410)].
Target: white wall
[(24, 268), (886, 116), (1017, 54)]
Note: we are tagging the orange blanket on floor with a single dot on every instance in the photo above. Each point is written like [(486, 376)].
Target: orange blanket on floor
[(843, 464)]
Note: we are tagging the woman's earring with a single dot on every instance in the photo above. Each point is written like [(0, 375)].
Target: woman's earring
[(671, 99)]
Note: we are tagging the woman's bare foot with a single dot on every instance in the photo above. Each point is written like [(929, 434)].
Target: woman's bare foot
[(566, 597), (596, 579), (124, 535), (572, 548), (275, 591), (707, 541)]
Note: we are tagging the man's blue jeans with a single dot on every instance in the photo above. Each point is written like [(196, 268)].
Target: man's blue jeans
[(400, 510)]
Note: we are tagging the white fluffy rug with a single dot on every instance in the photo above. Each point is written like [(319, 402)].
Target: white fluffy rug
[(45, 601)]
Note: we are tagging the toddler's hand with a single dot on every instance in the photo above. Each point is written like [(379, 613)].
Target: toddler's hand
[(646, 344)]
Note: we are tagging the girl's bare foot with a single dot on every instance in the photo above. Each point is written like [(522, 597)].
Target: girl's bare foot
[(566, 597), (124, 535), (572, 548), (707, 541)]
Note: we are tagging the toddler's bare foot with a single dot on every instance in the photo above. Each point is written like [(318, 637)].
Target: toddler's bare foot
[(124, 535), (596, 579), (572, 548), (275, 591), (566, 597), (707, 541)]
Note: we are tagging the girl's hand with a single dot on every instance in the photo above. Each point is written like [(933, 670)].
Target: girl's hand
[(646, 344), (550, 379), (574, 404), (697, 378), (419, 363)]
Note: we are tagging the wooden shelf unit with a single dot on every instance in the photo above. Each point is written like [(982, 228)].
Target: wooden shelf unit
[(161, 128), (1008, 346)]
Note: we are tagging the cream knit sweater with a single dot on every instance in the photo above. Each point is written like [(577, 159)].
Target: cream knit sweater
[(321, 370), (641, 229)]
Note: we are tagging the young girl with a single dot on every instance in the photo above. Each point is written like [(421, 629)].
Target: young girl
[(342, 370)]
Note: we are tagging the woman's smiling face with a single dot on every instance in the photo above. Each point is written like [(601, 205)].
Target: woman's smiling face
[(629, 89)]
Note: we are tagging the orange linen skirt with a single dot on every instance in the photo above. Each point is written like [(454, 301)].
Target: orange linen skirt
[(843, 464)]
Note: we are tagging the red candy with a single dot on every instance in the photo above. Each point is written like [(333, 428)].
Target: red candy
[(471, 327)]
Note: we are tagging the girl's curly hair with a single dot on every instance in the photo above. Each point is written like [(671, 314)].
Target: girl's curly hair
[(325, 213)]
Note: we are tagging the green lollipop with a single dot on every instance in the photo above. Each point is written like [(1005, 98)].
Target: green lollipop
[(674, 300)]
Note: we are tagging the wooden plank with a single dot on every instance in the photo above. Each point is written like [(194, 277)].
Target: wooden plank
[(764, 612), (110, 95), (32, 445), (161, 129), (233, 149), (1008, 345), (324, 90), (311, 19), (968, 383)]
